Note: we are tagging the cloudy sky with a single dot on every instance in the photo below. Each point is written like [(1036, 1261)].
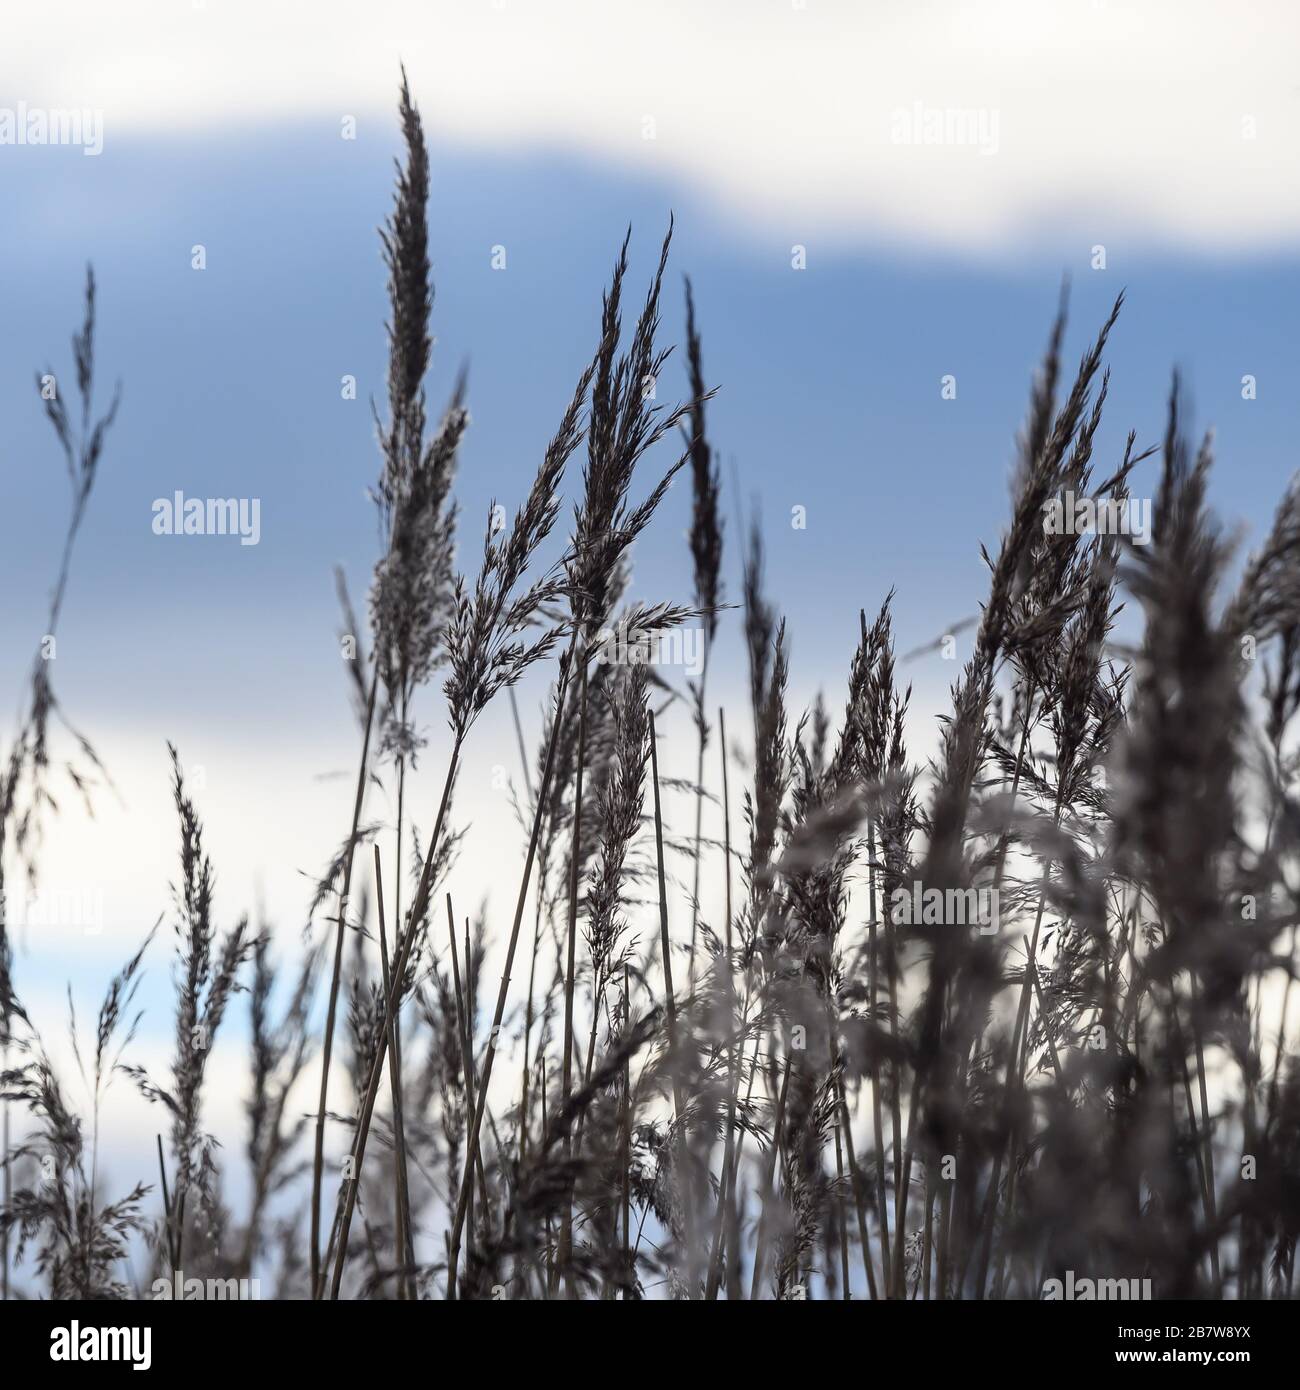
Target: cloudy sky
[(932, 169), (778, 113)]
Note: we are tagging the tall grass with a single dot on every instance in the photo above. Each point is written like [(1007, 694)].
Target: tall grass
[(820, 1095)]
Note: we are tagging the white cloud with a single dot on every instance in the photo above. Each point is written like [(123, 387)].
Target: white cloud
[(1117, 121)]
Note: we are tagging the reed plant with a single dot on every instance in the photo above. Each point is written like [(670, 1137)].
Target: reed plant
[(747, 1071)]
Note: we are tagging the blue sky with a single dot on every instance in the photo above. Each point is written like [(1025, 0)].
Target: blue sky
[(829, 377), (829, 380), (829, 394)]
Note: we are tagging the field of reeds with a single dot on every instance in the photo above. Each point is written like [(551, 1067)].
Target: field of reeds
[(968, 1030)]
